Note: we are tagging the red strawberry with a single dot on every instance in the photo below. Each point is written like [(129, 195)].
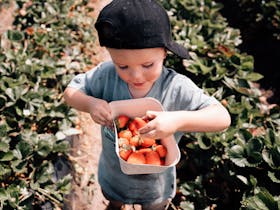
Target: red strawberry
[(121, 121), (153, 158), (125, 153), (136, 158), (161, 150), (134, 140), (139, 122), (147, 142), (125, 134), (132, 127), (144, 150)]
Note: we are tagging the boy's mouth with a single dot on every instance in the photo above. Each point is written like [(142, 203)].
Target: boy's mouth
[(138, 84)]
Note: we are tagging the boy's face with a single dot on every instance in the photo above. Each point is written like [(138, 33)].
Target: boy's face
[(139, 68)]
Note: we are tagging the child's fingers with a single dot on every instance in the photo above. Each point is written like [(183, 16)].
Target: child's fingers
[(151, 114), (147, 129), (106, 116), (150, 134)]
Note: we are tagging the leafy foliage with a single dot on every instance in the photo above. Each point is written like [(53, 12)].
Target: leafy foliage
[(255, 14), (37, 59), (259, 23), (225, 170)]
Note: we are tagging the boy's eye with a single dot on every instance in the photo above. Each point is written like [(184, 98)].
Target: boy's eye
[(148, 65), (123, 67)]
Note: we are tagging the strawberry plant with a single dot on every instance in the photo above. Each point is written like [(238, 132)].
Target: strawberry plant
[(237, 168), (259, 22), (37, 59)]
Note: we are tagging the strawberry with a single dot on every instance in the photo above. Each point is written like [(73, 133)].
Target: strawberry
[(125, 153), (161, 150), (139, 122), (125, 134), (136, 158), (134, 140), (121, 121), (153, 158), (144, 150), (123, 142), (132, 127), (147, 142)]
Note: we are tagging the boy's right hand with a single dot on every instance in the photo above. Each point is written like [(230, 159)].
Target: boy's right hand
[(100, 112), (160, 125)]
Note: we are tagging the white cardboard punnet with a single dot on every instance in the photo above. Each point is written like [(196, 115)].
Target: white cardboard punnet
[(137, 108)]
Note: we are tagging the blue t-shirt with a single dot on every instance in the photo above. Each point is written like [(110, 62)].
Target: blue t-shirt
[(175, 92)]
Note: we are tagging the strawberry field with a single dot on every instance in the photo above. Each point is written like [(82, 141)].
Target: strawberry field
[(51, 41)]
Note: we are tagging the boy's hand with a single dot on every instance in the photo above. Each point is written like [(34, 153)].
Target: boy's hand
[(100, 112), (160, 126)]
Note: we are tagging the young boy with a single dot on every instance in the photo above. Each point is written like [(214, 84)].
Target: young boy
[(137, 36)]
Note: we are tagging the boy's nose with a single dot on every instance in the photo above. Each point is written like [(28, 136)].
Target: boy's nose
[(136, 73)]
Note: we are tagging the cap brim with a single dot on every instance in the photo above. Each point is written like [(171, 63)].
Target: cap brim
[(178, 49)]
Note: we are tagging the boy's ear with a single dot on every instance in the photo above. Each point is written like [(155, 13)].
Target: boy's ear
[(106, 30)]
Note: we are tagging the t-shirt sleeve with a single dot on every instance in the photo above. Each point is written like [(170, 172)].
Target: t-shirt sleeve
[(78, 82), (189, 96), (90, 82)]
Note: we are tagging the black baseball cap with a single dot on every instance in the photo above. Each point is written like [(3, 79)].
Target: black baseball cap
[(136, 24)]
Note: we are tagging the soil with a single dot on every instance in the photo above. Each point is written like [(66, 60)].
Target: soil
[(6, 19)]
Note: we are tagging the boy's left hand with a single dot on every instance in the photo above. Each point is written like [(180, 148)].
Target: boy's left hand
[(161, 125)]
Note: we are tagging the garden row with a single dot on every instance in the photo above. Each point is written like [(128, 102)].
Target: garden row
[(49, 43)]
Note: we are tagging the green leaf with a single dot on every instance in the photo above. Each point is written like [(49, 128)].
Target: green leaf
[(254, 159), (253, 76), (6, 156), (262, 201), (248, 65), (274, 176), (272, 157), (5, 171), (44, 148), (34, 186), (236, 154), (65, 183), (243, 179), (19, 166), (44, 173), (204, 142), (24, 148), (254, 145), (3, 130), (10, 92), (248, 154), (17, 154), (62, 146), (4, 146), (3, 100), (14, 35), (187, 205), (3, 194)]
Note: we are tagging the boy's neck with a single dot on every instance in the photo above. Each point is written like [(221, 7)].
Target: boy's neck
[(138, 93)]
